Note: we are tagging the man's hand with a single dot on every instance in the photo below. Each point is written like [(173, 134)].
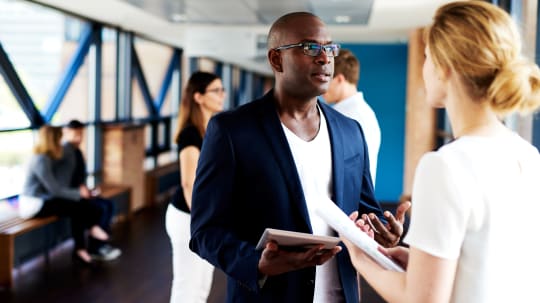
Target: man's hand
[(388, 235), (275, 261)]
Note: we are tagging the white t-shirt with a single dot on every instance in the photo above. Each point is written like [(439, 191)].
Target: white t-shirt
[(313, 162), (355, 107), (477, 200)]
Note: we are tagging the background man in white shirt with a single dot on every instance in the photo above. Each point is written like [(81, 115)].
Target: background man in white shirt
[(347, 100)]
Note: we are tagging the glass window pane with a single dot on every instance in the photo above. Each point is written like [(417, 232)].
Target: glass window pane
[(167, 108), (75, 103), (155, 59), (138, 109), (11, 114), (33, 36), (13, 160)]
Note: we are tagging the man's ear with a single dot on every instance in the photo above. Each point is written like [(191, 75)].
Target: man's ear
[(274, 58), (340, 78)]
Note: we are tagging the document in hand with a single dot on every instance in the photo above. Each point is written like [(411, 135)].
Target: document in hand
[(295, 240), (341, 223)]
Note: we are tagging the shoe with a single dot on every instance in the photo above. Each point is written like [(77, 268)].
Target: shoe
[(106, 253)]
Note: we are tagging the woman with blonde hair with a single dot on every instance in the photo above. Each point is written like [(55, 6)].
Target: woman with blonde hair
[(43, 195), (475, 200), (202, 98)]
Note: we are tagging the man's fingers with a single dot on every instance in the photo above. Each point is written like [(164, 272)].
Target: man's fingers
[(396, 226), (401, 210), (378, 226)]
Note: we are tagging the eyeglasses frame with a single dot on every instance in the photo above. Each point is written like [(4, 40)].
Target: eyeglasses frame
[(303, 44)]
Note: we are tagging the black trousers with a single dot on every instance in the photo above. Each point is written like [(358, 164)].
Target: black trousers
[(83, 214)]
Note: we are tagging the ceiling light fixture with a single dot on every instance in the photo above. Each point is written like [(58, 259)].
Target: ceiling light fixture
[(343, 19), (179, 18)]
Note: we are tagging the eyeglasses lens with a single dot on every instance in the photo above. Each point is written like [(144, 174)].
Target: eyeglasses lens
[(314, 49)]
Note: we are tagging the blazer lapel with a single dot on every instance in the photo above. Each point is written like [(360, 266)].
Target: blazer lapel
[(273, 131), (336, 140)]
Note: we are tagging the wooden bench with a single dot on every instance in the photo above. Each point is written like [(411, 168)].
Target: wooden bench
[(13, 229), (8, 231)]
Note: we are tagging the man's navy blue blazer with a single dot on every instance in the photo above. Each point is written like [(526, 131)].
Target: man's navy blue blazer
[(247, 181)]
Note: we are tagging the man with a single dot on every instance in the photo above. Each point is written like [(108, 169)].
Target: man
[(268, 159), (347, 100), (73, 158)]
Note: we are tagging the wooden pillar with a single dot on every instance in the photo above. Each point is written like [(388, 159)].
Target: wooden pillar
[(420, 119), (123, 160)]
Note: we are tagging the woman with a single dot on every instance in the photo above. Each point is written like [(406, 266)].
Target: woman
[(202, 98), (43, 195), (465, 245)]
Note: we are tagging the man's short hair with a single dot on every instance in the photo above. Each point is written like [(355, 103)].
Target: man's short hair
[(348, 65), (75, 124)]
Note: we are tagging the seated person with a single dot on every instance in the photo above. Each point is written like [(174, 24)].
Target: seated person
[(73, 161), (46, 196)]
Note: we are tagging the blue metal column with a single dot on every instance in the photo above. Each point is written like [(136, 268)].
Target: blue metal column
[(94, 132), (124, 45), (176, 96), (193, 65), (226, 78), (218, 68), (19, 91)]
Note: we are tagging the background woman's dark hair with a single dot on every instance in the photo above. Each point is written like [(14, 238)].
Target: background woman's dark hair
[(190, 111)]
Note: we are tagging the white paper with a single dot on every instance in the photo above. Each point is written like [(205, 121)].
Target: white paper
[(342, 224)]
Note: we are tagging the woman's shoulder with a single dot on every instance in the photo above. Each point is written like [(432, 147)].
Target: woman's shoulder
[(189, 136), (190, 130), (40, 158)]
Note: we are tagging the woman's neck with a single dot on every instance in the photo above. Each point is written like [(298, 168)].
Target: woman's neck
[(471, 117)]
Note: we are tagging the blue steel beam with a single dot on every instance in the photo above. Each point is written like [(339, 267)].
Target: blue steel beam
[(218, 69), (174, 64), (70, 72), (19, 91), (137, 70)]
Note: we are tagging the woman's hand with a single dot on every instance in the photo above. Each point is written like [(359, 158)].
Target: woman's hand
[(399, 254)]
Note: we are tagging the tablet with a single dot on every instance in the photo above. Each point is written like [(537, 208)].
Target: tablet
[(342, 224), (295, 240)]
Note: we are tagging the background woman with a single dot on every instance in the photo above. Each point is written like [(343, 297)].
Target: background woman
[(475, 200), (49, 197), (202, 98)]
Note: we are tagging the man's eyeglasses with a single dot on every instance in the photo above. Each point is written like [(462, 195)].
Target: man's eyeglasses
[(216, 90), (314, 49)]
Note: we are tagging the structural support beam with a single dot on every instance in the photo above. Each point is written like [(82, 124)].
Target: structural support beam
[(143, 85), (94, 132), (166, 83), (19, 91), (124, 72)]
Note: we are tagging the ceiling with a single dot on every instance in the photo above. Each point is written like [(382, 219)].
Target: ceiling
[(235, 31)]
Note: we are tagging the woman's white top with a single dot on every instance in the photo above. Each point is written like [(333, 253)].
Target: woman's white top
[(477, 200)]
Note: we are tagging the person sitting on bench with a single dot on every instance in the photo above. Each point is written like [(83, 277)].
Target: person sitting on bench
[(43, 195), (75, 165)]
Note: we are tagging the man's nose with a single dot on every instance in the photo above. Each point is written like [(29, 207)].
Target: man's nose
[(322, 58)]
